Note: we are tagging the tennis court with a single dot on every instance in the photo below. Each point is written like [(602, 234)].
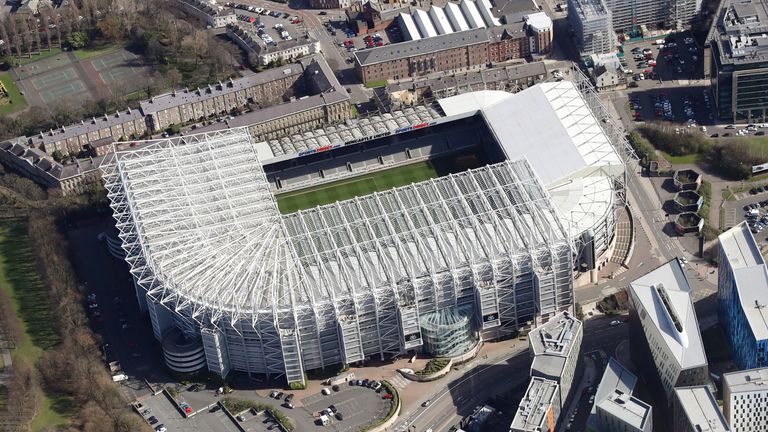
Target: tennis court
[(54, 78), (378, 181), (69, 89)]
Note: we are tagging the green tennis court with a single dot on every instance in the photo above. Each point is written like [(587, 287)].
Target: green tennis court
[(379, 181)]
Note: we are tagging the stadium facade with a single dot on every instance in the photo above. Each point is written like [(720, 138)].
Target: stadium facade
[(435, 266)]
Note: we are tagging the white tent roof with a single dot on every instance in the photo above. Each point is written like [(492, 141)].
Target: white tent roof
[(550, 124)]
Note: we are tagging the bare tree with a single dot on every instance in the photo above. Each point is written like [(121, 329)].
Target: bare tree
[(47, 21), (6, 47), (33, 28)]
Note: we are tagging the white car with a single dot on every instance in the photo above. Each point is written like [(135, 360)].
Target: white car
[(614, 323), (683, 260)]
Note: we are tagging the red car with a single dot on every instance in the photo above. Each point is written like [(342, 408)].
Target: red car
[(387, 396)]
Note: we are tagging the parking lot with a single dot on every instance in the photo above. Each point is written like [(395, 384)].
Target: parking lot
[(271, 26), (158, 410), (347, 41), (753, 208), (358, 405), (678, 57)]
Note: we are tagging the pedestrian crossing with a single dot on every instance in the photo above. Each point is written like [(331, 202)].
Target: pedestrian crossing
[(399, 381)]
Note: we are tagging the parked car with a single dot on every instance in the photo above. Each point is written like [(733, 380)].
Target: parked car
[(614, 323)]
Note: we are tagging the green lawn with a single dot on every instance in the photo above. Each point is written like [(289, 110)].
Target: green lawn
[(685, 159), (357, 186), (21, 282), (715, 344), (89, 53), (17, 100), (374, 84)]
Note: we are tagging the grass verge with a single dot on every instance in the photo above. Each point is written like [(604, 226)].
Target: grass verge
[(39, 56), (374, 84), (22, 283), (89, 53), (684, 159), (17, 101)]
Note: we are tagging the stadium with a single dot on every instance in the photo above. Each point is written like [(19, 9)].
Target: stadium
[(425, 230)]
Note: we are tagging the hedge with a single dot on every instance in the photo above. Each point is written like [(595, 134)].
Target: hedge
[(237, 406), (434, 365)]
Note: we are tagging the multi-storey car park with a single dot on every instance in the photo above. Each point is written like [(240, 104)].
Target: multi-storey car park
[(523, 190)]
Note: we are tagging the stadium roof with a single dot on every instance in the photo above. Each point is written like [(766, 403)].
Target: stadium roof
[(553, 113), (750, 274), (666, 297), (579, 159), (202, 228)]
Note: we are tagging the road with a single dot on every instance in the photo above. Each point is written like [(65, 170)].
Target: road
[(487, 378), (313, 24)]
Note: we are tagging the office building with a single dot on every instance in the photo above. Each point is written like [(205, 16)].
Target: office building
[(556, 347), (463, 48), (591, 23), (664, 333), (615, 409), (539, 410), (742, 292), (695, 410), (745, 400), (738, 65), (456, 52)]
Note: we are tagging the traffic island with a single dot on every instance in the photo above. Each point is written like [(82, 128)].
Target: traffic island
[(687, 180), (688, 223)]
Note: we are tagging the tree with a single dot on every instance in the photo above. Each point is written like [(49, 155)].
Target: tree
[(173, 78), (110, 29), (58, 156), (77, 40)]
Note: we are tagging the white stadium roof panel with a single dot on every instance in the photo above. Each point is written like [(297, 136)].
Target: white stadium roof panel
[(203, 215), (550, 124)]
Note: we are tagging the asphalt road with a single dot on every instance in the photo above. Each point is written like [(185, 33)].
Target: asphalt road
[(496, 377), (313, 22)]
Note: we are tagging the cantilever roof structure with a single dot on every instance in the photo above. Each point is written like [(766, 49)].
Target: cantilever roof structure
[(751, 276), (666, 296), (580, 155), (202, 230)]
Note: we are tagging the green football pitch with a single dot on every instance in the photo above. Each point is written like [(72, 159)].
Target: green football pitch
[(374, 182)]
